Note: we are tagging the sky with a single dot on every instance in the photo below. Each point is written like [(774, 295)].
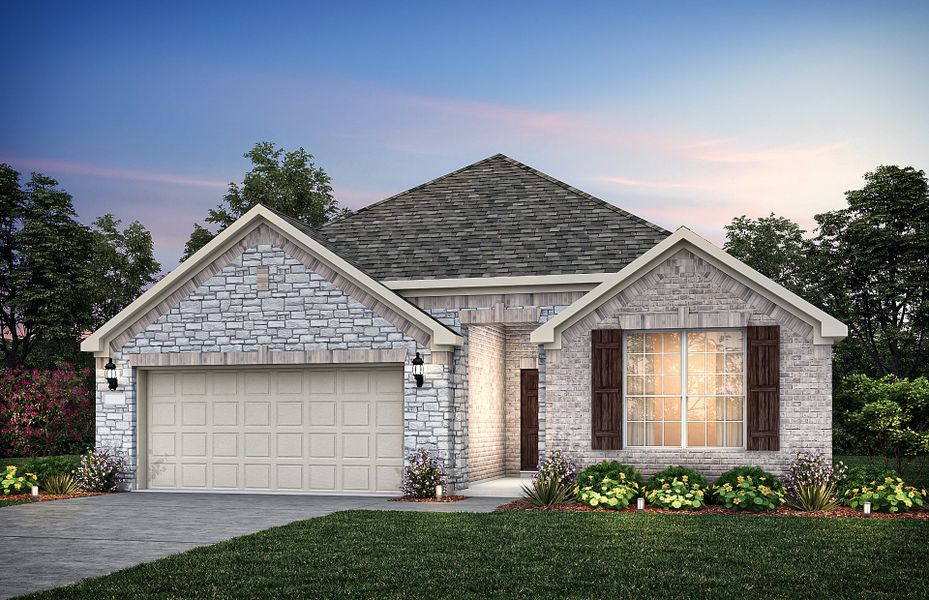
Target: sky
[(687, 113)]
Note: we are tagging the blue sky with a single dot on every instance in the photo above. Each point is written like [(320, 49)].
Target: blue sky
[(685, 113)]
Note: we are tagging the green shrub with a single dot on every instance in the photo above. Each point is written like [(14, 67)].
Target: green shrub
[(609, 493), (676, 494), (46, 467), (608, 469), (682, 473), (546, 492), (890, 494), (857, 477), (16, 484), (100, 470), (748, 488), (732, 477), (60, 484)]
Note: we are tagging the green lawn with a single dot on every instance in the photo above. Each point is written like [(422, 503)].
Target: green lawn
[(5, 502), (360, 554)]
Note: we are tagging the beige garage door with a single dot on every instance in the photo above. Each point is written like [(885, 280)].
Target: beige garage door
[(337, 429)]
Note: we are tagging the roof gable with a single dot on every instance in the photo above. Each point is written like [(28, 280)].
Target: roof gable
[(297, 242), (826, 328), (494, 218)]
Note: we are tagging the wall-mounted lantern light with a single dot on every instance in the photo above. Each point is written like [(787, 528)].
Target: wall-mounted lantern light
[(417, 363), (109, 371)]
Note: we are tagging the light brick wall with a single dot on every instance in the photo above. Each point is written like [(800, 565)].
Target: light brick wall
[(487, 401), (300, 311), (698, 292), (519, 351)]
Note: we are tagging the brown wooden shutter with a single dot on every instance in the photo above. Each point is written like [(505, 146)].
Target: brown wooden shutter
[(763, 375), (606, 408)]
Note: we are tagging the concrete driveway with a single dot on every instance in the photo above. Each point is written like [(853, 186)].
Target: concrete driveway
[(50, 544)]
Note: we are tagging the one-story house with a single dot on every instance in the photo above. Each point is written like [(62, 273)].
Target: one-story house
[(282, 357)]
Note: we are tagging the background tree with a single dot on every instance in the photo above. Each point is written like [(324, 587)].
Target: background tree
[(288, 182), (122, 266), (775, 247), (873, 268), (43, 274)]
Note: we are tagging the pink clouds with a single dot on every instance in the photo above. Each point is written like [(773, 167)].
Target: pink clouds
[(73, 168)]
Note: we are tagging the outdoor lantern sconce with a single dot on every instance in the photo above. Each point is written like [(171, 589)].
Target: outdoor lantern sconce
[(109, 371), (417, 363)]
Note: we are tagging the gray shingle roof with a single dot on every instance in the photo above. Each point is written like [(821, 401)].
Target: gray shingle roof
[(494, 218)]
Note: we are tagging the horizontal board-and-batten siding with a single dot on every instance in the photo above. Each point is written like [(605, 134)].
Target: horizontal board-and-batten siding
[(263, 234)]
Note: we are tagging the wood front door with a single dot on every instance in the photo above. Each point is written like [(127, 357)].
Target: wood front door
[(529, 419)]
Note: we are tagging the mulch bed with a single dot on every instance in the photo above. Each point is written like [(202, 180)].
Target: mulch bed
[(49, 497), (842, 511), (443, 499)]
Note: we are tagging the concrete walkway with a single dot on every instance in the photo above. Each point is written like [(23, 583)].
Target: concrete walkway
[(50, 544)]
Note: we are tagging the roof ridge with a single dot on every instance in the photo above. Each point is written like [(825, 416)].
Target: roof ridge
[(413, 189), (583, 194)]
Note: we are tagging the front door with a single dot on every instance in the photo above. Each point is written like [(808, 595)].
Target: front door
[(529, 420)]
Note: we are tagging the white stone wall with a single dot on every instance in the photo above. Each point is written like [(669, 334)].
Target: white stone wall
[(299, 311), (487, 401), (690, 290)]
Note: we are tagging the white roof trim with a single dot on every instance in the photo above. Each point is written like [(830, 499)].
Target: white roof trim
[(826, 328), (441, 337), (495, 285)]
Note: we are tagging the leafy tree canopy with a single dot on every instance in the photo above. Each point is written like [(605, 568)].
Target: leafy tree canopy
[(59, 278), (288, 182), (774, 246)]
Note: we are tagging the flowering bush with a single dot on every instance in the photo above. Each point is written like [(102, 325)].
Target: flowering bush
[(608, 493), (608, 469), (422, 474), (45, 412), (676, 488), (812, 483), (748, 488), (12, 484), (557, 466), (101, 470), (890, 494)]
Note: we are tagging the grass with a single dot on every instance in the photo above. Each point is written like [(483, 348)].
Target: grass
[(359, 554), (5, 502), (916, 473)]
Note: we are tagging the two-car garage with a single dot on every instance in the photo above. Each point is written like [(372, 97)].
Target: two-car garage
[(312, 429)]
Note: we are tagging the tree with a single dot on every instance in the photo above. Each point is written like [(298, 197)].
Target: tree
[(890, 416), (873, 268), (122, 264), (775, 247), (43, 258), (288, 182)]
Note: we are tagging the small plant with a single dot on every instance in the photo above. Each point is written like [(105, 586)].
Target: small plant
[(608, 469), (675, 493), (559, 467), (609, 493), (13, 484), (47, 466), (682, 473), (101, 470), (861, 476), (748, 488), (61, 484), (811, 483), (546, 492), (890, 494), (422, 474)]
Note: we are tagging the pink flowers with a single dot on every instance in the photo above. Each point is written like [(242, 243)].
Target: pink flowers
[(45, 412)]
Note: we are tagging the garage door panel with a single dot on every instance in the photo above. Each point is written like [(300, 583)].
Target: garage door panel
[(193, 444), (193, 413), (226, 445), (289, 414), (324, 429)]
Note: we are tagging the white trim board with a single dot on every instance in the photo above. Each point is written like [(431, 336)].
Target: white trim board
[(469, 286), (441, 338), (826, 328)]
